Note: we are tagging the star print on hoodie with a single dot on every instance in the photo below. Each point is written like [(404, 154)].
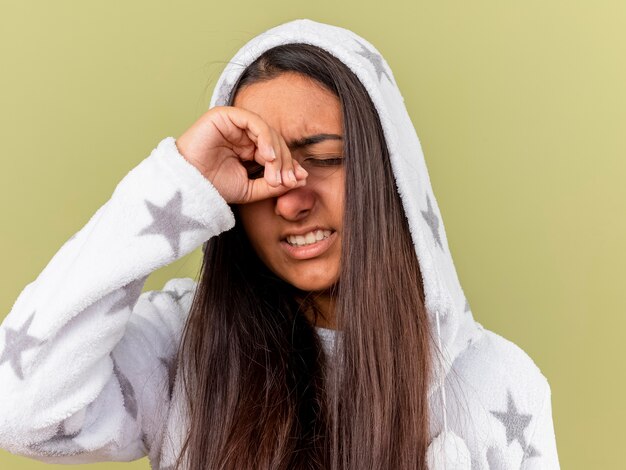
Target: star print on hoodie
[(87, 361)]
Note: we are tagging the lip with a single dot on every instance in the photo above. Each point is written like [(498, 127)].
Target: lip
[(309, 251), (305, 230)]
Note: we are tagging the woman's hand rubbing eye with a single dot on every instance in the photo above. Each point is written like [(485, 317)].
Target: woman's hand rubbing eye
[(241, 155)]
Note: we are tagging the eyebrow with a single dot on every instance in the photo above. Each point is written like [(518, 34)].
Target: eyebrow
[(311, 140)]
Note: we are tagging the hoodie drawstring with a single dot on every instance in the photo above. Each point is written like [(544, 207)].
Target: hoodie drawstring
[(447, 451), (441, 387)]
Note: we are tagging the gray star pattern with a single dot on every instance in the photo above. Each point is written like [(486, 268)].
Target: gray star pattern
[(170, 222), (59, 444), (131, 294), (130, 402), (514, 422), (375, 59), (170, 366), (173, 294), (531, 452), (16, 342), (432, 220)]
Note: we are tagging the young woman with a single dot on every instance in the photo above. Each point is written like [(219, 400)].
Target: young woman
[(328, 328)]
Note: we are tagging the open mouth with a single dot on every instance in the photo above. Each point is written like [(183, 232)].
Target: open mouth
[(309, 245), (309, 238)]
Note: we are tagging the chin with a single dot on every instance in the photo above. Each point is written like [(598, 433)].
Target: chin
[(311, 283), (313, 287)]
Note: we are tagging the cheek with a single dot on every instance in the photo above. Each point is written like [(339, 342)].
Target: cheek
[(339, 205), (335, 198), (256, 221)]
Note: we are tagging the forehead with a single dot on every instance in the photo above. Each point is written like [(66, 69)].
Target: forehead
[(293, 104)]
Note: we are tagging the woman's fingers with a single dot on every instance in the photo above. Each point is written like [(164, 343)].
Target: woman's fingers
[(257, 130), (281, 175), (288, 169), (259, 189), (269, 152), (282, 169), (273, 168), (301, 173), (273, 152), (226, 133)]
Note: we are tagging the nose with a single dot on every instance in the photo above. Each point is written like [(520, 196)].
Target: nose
[(296, 204)]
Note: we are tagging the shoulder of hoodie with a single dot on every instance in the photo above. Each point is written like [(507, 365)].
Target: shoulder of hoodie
[(493, 365)]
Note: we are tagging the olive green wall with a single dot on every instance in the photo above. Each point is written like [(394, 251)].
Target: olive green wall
[(521, 111)]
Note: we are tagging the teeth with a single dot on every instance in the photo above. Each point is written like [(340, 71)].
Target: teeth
[(308, 238)]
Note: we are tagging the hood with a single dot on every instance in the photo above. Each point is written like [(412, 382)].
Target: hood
[(448, 309)]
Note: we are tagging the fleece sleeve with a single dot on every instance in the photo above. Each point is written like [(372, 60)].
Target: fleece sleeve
[(85, 357), (541, 452)]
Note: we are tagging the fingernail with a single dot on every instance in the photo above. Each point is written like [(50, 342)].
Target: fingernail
[(292, 177), (278, 180)]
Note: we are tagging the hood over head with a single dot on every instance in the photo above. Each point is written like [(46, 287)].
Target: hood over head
[(448, 309)]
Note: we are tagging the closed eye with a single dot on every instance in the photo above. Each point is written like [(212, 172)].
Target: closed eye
[(255, 170), (324, 161)]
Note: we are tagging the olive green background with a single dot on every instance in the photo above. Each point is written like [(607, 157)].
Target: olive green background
[(520, 108)]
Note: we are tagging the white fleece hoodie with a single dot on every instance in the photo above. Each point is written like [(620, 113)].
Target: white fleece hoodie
[(86, 359)]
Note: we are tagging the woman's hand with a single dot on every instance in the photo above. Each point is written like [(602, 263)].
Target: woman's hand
[(225, 137)]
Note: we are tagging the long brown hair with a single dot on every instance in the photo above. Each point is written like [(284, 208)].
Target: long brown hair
[(252, 365)]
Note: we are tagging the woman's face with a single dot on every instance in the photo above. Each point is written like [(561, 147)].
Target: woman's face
[(298, 234)]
